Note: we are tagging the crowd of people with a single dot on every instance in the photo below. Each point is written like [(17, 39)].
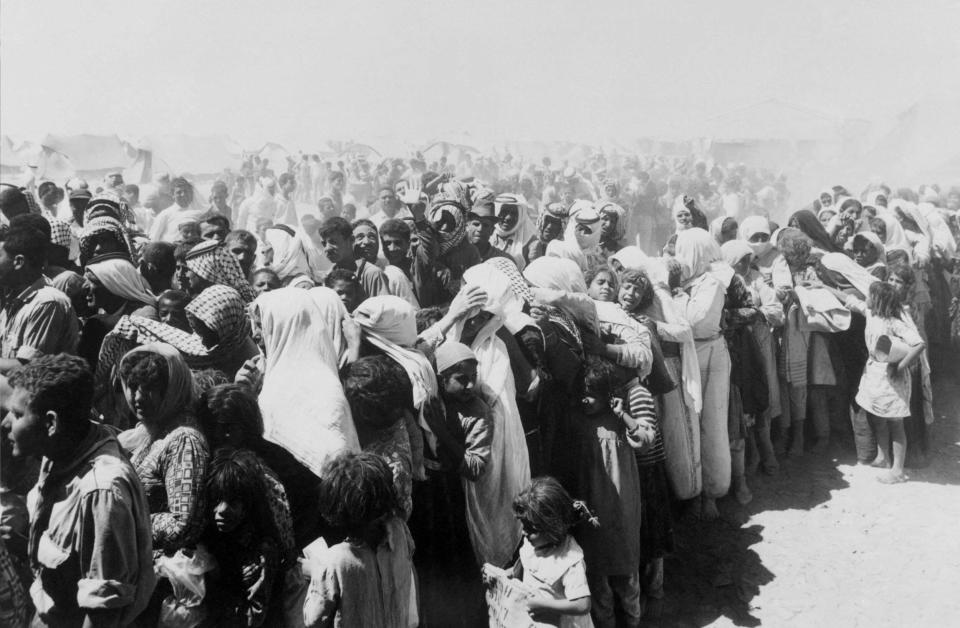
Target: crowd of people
[(341, 394)]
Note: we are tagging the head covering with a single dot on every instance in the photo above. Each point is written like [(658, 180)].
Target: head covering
[(807, 222), (583, 213), (310, 418), (859, 277), (101, 225), (110, 203), (700, 253), (178, 396), (212, 261), (697, 217), (222, 310), (451, 353), (629, 257), (393, 318), (440, 205), (60, 233), (896, 238), (333, 312), (877, 198), (553, 211), (121, 278), (717, 225), (873, 241), (513, 240), (289, 254), (610, 208), (753, 225), (735, 250), (555, 274)]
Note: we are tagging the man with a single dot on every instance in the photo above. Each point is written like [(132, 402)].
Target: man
[(336, 236), (157, 265), (261, 204), (36, 318), (13, 202), (114, 181), (286, 212), (166, 227), (387, 206), (214, 227), (90, 537), (50, 198), (142, 214), (481, 220), (219, 193), (243, 246)]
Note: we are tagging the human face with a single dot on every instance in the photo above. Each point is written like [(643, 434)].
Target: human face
[(195, 283), (729, 231), (850, 213), (479, 230), (388, 202), (337, 248), (629, 296), (898, 284), (863, 254), (211, 231), (145, 401), (758, 238), (608, 222), (550, 230), (209, 337), (265, 282), (9, 265), (182, 195), (825, 218), (880, 230), (348, 294), (602, 287), (244, 253), (27, 431), (327, 208), (395, 248), (94, 293), (189, 232), (219, 198), (509, 217), (535, 537), (460, 380), (683, 218), (826, 200), (366, 244), (171, 312), (228, 515), (115, 180)]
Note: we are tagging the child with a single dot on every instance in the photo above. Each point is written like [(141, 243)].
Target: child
[(365, 580), (884, 391), (172, 309), (346, 284), (608, 481), (243, 537), (265, 280), (189, 232), (551, 561)]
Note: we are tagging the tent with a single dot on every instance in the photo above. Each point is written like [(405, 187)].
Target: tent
[(33, 159), (201, 157)]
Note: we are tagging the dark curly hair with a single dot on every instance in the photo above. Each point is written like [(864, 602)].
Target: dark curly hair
[(546, 507), (61, 383), (144, 368), (232, 404), (428, 316), (599, 377), (639, 279), (237, 475), (377, 388), (883, 301), (357, 492)]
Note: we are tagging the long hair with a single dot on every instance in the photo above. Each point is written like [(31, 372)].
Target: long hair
[(357, 493), (639, 279), (884, 301), (545, 506), (237, 475)]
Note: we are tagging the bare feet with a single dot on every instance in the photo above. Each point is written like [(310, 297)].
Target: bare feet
[(880, 462), (710, 512), (744, 496), (892, 478)]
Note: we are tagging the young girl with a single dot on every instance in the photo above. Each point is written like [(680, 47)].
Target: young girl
[(884, 391), (367, 579), (606, 478), (551, 561), (243, 537)]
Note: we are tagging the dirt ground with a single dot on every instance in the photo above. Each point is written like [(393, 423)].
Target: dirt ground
[(824, 544)]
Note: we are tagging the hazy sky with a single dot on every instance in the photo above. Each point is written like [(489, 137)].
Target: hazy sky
[(300, 71)]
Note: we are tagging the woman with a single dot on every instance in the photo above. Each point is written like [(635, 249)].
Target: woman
[(687, 214), (313, 421), (286, 256), (806, 221), (613, 227), (514, 227), (706, 279), (366, 245), (168, 452), (113, 289), (210, 263), (724, 229)]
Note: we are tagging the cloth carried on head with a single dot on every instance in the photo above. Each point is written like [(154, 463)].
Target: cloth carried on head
[(290, 258), (121, 278)]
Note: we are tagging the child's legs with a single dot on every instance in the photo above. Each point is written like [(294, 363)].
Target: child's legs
[(883, 438), (764, 444), (899, 444), (863, 437)]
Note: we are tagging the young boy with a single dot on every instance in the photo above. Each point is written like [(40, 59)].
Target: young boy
[(90, 539), (265, 280), (346, 284), (172, 309), (336, 236)]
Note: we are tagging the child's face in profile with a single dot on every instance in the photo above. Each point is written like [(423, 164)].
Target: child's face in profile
[(535, 537), (189, 232), (348, 293), (227, 515), (460, 380), (265, 282), (173, 313)]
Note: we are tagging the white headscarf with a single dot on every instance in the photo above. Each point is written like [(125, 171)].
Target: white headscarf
[(753, 225), (859, 277), (583, 213), (629, 257), (121, 278), (310, 418), (289, 255), (699, 253)]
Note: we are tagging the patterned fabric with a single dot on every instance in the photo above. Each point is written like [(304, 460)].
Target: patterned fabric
[(212, 261), (60, 233), (100, 225), (173, 470), (14, 609), (441, 205), (553, 211), (109, 203), (223, 311)]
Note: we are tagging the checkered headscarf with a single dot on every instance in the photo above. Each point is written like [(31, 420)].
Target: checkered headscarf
[(60, 233), (99, 225), (212, 261), (223, 311)]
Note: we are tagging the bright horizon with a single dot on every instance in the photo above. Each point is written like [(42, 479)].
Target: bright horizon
[(304, 72)]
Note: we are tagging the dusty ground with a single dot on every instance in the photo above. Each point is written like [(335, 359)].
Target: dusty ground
[(824, 544)]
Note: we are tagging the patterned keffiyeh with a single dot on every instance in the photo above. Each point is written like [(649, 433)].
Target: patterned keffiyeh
[(213, 262), (442, 205), (99, 226)]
